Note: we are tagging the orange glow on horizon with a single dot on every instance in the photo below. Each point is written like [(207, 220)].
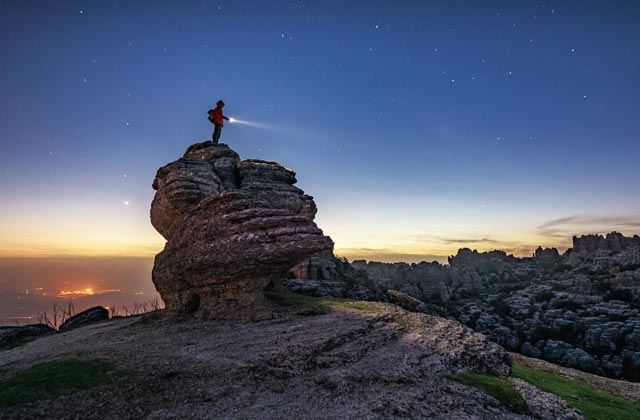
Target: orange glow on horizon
[(84, 292)]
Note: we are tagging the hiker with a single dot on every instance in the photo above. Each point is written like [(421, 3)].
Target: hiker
[(216, 117)]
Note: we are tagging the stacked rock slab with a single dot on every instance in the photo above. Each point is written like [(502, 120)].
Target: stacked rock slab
[(232, 228)]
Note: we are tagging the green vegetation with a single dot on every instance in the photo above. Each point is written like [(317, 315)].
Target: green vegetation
[(497, 386), (500, 306), (593, 403), (53, 378), (361, 306), (567, 304), (301, 304), (561, 268), (623, 295), (307, 305), (145, 319), (629, 267), (544, 296)]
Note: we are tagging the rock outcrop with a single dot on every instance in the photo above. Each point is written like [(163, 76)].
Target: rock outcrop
[(14, 336), (323, 274), (613, 241), (233, 227), (546, 253), (89, 316), (580, 309), (356, 360)]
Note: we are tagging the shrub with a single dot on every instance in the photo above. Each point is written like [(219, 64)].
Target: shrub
[(498, 387), (624, 295), (629, 267), (544, 296), (53, 378), (561, 268), (501, 307), (601, 285), (592, 403), (567, 304)]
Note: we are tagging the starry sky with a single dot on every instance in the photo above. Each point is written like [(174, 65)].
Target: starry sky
[(419, 126)]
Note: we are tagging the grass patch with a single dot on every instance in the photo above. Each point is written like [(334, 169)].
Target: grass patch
[(497, 386), (145, 319), (301, 304), (360, 306), (53, 378), (592, 402), (308, 305)]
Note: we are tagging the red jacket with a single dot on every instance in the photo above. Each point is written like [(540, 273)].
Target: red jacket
[(218, 118)]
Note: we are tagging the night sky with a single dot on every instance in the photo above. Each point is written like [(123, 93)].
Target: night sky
[(418, 126)]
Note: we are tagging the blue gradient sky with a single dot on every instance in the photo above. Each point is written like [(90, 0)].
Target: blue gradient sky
[(419, 127)]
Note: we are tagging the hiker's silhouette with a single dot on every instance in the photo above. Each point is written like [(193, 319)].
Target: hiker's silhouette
[(217, 119)]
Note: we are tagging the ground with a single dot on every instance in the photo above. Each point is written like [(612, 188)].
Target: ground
[(315, 359)]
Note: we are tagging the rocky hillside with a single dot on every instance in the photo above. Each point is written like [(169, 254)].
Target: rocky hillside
[(580, 309), (314, 359)]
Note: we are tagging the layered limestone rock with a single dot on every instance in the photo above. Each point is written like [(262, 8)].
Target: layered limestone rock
[(613, 241), (232, 227), (546, 253)]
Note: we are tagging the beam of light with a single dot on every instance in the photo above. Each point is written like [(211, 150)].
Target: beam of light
[(255, 124)]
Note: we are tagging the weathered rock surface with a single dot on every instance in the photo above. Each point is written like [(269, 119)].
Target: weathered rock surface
[(377, 361), (89, 316), (543, 405), (323, 274), (411, 304), (232, 227), (580, 309), (14, 336), (613, 241)]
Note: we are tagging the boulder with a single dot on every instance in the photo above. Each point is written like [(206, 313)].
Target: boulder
[(324, 274), (232, 227), (14, 336), (411, 304), (90, 316)]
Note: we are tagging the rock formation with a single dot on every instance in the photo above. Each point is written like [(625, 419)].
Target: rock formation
[(580, 309), (13, 336), (613, 241), (89, 316), (323, 274), (546, 253), (232, 227)]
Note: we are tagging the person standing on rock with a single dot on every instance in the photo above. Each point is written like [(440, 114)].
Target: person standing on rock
[(217, 118)]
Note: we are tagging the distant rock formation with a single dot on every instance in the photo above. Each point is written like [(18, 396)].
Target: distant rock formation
[(546, 253), (613, 241), (323, 274), (580, 309), (491, 261), (232, 227)]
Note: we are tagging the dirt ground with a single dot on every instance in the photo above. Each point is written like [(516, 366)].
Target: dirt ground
[(372, 360)]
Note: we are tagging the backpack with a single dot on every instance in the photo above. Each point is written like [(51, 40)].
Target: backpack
[(210, 112)]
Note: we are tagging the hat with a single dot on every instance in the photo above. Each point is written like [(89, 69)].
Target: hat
[(220, 102)]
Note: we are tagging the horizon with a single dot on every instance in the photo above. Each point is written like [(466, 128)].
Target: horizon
[(418, 128)]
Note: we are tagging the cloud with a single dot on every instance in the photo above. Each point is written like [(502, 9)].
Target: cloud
[(387, 255), (564, 228), (469, 240)]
